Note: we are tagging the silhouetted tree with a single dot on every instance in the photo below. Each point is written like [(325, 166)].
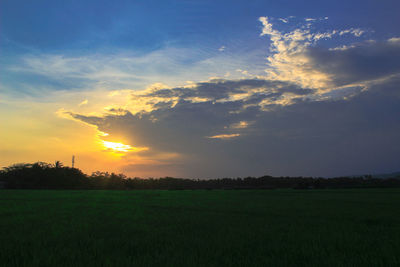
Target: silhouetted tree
[(58, 164), (41, 175)]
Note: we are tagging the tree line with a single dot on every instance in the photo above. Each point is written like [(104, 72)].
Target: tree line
[(41, 175)]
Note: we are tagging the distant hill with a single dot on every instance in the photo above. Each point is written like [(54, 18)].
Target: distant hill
[(387, 175), (379, 175)]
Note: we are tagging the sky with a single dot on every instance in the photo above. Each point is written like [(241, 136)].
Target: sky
[(202, 89)]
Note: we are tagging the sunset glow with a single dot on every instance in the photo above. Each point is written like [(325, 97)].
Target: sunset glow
[(249, 88), (117, 147), (199, 133), (120, 148)]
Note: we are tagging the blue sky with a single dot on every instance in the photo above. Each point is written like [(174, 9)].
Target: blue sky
[(214, 78), (102, 28), (91, 26), (79, 28)]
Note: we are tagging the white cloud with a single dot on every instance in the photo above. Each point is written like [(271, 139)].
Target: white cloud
[(356, 32), (289, 59)]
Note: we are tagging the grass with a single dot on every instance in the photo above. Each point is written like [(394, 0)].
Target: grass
[(200, 228)]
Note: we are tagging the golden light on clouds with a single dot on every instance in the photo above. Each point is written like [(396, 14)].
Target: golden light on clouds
[(224, 136), (240, 125)]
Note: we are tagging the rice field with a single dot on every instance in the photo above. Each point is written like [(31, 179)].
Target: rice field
[(352, 227)]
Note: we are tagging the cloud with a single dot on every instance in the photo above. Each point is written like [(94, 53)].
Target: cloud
[(287, 19), (243, 92), (355, 32), (84, 102), (290, 58), (358, 63), (119, 70), (331, 137), (240, 125), (224, 136), (395, 40)]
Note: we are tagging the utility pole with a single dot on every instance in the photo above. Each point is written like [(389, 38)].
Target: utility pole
[(73, 161)]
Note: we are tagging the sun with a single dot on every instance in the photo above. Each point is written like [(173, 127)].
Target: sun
[(120, 148), (117, 147)]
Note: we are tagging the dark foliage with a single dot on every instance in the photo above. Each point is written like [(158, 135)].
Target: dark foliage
[(42, 175)]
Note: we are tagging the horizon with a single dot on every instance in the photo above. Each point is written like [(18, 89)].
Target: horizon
[(104, 172), (190, 89)]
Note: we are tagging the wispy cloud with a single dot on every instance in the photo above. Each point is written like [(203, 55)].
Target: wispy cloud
[(224, 136), (84, 102), (127, 70)]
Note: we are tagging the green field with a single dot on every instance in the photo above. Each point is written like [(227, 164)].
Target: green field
[(200, 228)]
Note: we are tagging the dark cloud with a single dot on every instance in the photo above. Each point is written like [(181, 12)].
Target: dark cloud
[(332, 137), (223, 89), (361, 62)]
